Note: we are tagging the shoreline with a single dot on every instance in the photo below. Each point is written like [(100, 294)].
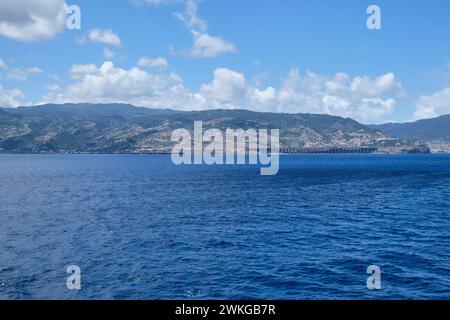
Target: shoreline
[(168, 153)]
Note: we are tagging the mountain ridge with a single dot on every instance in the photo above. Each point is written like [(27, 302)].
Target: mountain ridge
[(435, 132), (123, 128)]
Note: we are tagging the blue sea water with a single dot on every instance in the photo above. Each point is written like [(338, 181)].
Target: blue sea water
[(141, 228)]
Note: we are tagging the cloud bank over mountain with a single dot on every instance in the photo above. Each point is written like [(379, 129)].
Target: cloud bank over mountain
[(363, 98), (213, 65)]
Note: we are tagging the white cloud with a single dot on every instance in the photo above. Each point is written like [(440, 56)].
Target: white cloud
[(105, 37), (207, 46), (382, 84), (337, 94), (191, 18), (54, 87), (227, 89), (10, 98), (146, 62), (108, 54), (32, 20), (264, 98), (79, 70), (22, 75), (204, 44), (296, 91), (362, 98), (108, 84), (433, 105)]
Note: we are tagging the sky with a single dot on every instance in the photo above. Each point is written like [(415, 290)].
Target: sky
[(314, 56)]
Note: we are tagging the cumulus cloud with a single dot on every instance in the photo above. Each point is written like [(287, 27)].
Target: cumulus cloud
[(433, 105), (108, 83), (105, 36), (369, 100), (10, 98), (227, 89), (362, 98), (264, 98), (32, 20), (146, 62), (373, 87)]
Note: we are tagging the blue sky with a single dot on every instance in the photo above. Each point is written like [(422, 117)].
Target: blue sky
[(264, 55)]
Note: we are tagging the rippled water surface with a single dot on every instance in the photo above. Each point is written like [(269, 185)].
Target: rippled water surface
[(142, 228)]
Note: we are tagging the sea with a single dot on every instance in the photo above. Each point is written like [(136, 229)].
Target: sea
[(140, 227)]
